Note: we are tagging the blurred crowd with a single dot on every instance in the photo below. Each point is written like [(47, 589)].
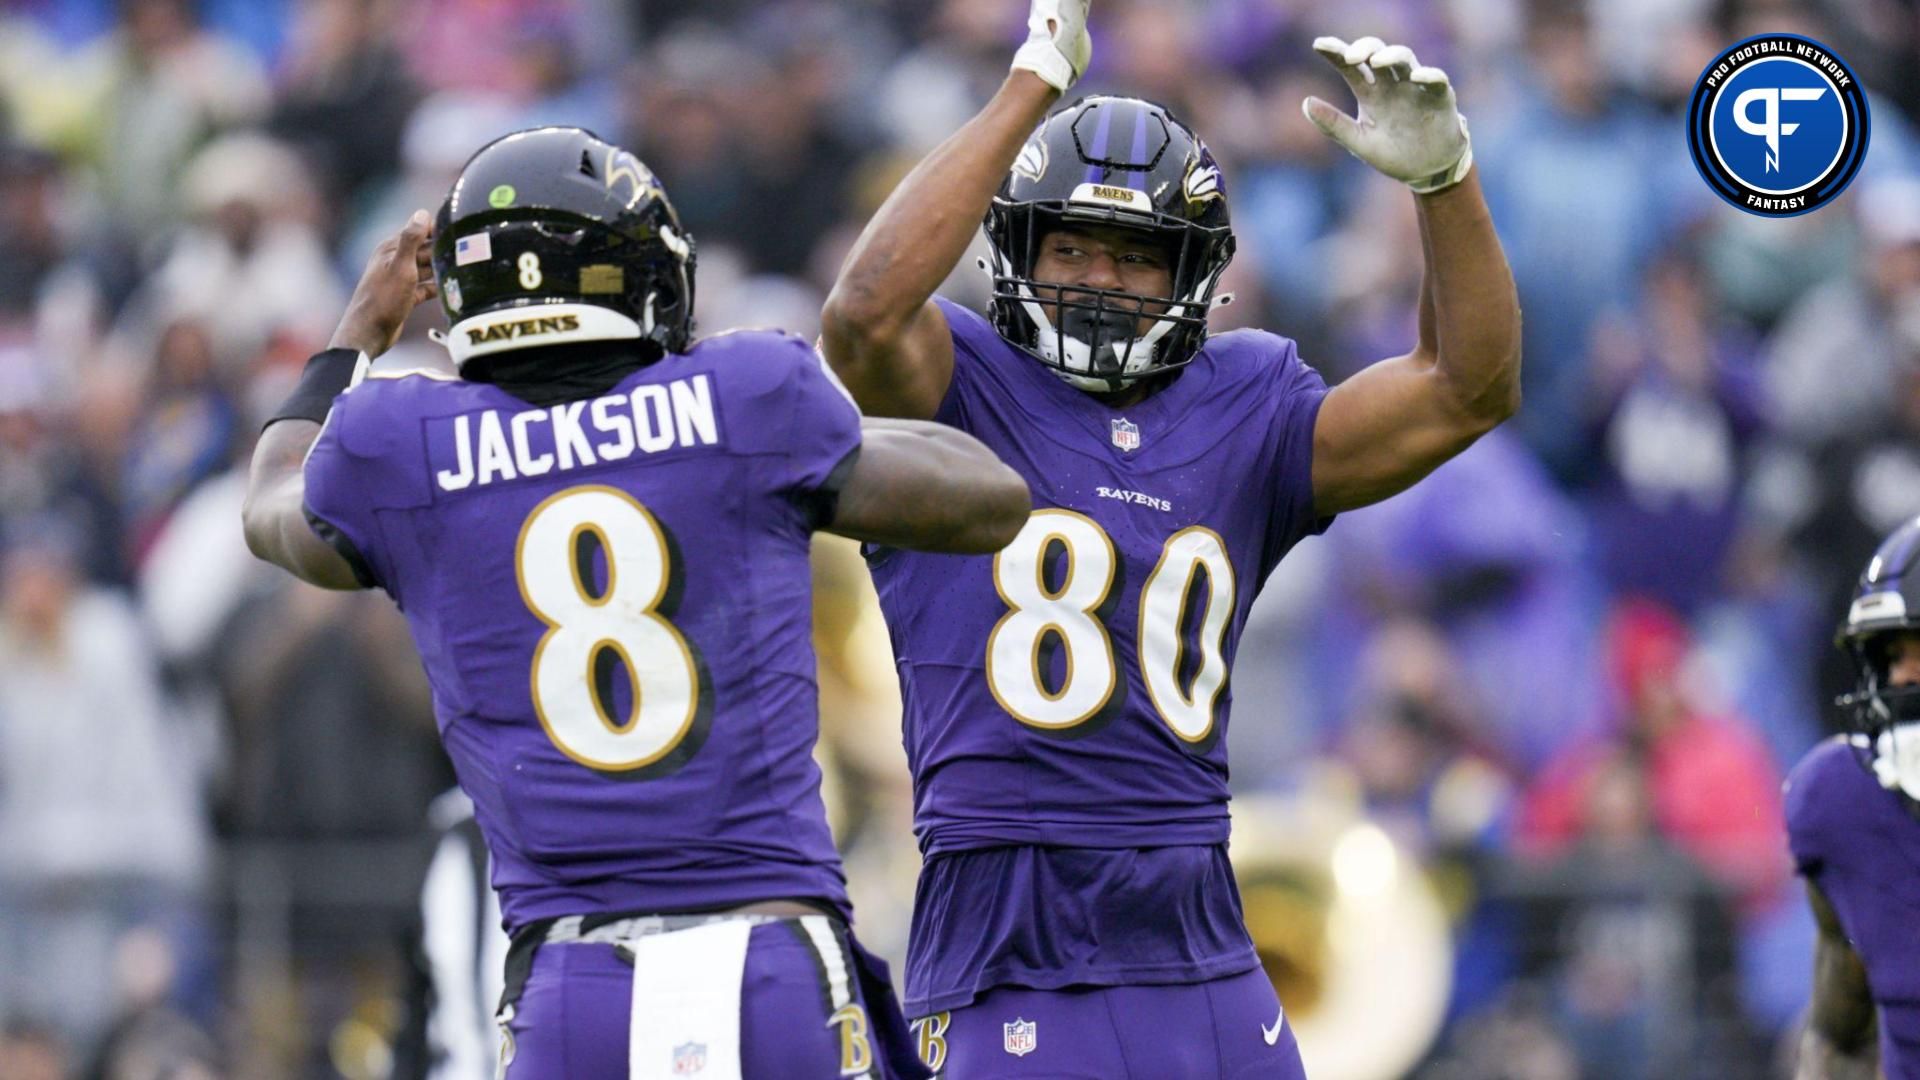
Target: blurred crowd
[(1564, 676)]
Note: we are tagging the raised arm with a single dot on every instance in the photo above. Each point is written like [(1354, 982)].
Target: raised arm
[(399, 276), (930, 487), (1398, 420), (880, 330), (1841, 1041)]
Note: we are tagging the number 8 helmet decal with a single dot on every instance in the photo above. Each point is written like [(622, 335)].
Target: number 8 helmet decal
[(554, 235)]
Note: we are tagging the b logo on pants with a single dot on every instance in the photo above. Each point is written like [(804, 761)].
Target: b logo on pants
[(930, 1033), (856, 1050)]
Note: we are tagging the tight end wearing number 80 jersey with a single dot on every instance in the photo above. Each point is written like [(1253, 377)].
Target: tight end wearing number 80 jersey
[(1072, 691)]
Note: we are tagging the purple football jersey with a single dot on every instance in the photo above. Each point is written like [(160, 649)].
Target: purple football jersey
[(612, 600), (1071, 691), (1857, 842)]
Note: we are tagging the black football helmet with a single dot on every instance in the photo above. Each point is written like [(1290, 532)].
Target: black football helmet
[(554, 235), (1885, 720), (1110, 161)]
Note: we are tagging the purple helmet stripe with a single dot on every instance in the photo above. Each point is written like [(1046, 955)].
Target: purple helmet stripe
[(1098, 151), (1137, 179)]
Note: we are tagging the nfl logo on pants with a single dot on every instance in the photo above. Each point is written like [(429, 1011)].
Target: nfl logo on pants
[(689, 1058), (1020, 1037)]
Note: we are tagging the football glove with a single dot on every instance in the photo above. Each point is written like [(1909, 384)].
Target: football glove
[(1409, 126), (1058, 53)]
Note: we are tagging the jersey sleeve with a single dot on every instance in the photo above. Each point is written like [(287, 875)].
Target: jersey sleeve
[(972, 337), (1814, 789), (824, 438), (352, 474), (1296, 392)]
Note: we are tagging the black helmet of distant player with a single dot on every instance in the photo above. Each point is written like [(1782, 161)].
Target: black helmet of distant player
[(1122, 162), (1885, 720), (554, 235)]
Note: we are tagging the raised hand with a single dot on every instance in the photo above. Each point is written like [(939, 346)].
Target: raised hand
[(1408, 125), (398, 278), (1058, 48)]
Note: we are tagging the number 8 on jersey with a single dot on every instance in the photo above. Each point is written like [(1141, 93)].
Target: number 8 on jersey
[(585, 631)]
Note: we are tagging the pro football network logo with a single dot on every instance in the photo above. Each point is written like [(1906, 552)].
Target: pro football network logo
[(1778, 125)]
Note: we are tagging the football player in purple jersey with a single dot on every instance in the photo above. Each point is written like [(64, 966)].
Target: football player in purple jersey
[(1853, 822), (1066, 699), (598, 532)]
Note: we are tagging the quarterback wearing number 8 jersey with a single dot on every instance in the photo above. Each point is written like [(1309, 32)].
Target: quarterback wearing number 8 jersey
[(599, 535), (1066, 699)]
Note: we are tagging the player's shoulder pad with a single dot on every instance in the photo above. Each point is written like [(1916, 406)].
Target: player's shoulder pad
[(1254, 356), (766, 346), (381, 412), (1254, 347), (758, 363), (961, 316), (969, 329), (1819, 787)]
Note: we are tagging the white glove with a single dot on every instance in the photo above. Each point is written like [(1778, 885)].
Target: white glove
[(1058, 53), (1408, 126)]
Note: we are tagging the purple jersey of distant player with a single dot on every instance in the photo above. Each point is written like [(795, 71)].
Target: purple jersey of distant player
[(611, 598), (1858, 843), (1071, 691)]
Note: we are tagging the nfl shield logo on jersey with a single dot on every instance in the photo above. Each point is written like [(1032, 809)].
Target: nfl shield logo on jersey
[(689, 1058), (1126, 435), (1021, 1037)]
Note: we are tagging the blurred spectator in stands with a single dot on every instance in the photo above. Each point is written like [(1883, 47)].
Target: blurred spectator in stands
[(689, 89), (249, 267), (1673, 411), (937, 84), (31, 1050), (1289, 197), (1431, 776), (1835, 359), (552, 81), (186, 431), (442, 132), (159, 86), (1150, 52), (101, 824), (62, 274), (335, 761), (460, 44), (1712, 790), (1516, 1039), (345, 94), (1428, 772), (334, 735), (798, 161), (1865, 483), (1574, 244), (1637, 937), (82, 458), (157, 1044), (1370, 295), (1489, 552)]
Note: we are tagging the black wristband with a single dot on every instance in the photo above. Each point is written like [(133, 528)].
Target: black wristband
[(327, 374)]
